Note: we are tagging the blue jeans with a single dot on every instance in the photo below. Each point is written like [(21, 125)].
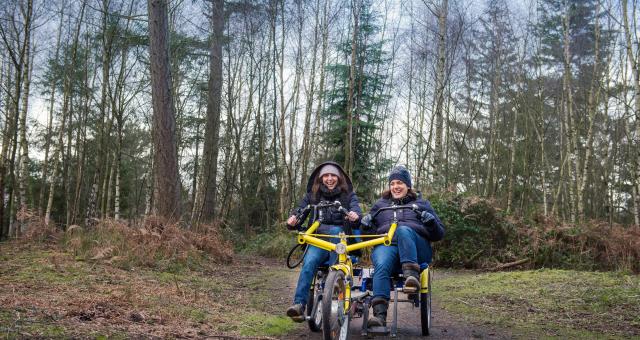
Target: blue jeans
[(388, 260), (314, 258)]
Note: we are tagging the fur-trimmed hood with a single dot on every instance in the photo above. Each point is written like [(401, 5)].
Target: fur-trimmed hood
[(315, 172)]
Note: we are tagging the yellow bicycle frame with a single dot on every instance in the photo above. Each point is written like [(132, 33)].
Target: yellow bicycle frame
[(344, 262)]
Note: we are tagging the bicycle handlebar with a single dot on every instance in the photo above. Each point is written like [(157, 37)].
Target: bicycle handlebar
[(321, 204), (413, 207)]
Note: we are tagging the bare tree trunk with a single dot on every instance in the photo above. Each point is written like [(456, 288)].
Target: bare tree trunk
[(47, 145), (208, 185), (167, 184), (356, 7), (6, 140), (493, 133), (196, 169), (592, 108), (439, 93), (24, 156), (571, 125), (67, 86), (636, 84)]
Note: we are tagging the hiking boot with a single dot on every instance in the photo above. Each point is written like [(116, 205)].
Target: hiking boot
[(379, 318), (296, 312), (411, 274)]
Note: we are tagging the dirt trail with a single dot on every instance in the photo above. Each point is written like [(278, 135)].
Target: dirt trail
[(445, 325)]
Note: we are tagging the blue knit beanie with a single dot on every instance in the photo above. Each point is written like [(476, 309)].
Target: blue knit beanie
[(401, 173)]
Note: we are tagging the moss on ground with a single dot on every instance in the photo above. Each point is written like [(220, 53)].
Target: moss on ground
[(563, 303)]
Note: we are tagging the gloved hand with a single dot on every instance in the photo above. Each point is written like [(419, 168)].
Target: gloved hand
[(366, 222), (426, 217)]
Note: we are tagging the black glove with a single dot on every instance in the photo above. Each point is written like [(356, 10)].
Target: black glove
[(365, 221), (426, 217)]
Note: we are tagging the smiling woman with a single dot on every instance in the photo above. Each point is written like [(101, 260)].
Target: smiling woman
[(328, 182), (410, 249)]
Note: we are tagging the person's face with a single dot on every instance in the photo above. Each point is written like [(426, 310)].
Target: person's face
[(330, 181), (398, 189)]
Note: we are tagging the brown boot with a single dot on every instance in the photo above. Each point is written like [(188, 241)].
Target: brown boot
[(379, 318), (296, 312), (411, 273)]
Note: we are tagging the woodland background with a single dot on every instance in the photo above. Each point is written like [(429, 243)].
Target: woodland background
[(217, 111)]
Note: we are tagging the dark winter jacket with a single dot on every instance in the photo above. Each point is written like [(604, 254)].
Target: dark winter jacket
[(432, 231), (330, 216)]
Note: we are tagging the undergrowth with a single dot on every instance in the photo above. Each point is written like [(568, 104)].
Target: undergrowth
[(155, 244), (480, 235)]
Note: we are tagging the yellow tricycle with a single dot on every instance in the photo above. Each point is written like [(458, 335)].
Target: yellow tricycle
[(342, 291)]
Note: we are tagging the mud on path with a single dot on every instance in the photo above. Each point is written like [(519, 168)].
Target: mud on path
[(444, 324)]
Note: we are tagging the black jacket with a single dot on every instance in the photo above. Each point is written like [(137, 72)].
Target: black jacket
[(331, 216)]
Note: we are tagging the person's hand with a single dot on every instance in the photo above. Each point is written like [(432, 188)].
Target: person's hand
[(426, 217), (366, 221), (292, 221), (352, 216)]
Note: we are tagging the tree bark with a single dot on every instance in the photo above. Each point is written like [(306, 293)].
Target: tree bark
[(166, 181), (439, 93), (208, 185), (635, 66), (24, 146)]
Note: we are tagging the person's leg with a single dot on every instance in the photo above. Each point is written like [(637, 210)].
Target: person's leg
[(412, 247), (409, 246), (312, 260), (385, 261), (314, 257), (334, 230)]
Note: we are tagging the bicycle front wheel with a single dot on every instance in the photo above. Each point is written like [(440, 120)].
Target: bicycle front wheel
[(335, 316), (425, 309)]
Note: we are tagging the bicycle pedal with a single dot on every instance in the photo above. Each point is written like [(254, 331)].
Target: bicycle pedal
[(299, 318), (410, 290)]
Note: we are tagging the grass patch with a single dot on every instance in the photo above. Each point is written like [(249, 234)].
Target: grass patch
[(263, 324), (562, 303)]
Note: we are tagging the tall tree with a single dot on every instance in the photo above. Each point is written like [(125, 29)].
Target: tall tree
[(208, 185), (356, 92), (166, 182)]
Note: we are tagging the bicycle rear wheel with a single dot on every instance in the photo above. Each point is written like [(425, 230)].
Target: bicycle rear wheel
[(296, 255), (425, 309), (335, 318), (314, 306)]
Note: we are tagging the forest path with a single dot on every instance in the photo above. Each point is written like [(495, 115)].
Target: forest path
[(445, 325)]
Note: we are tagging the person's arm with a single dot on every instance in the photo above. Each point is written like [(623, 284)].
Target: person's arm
[(432, 223), (355, 213), (306, 199)]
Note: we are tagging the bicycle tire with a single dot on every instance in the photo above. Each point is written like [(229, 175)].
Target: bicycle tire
[(335, 320), (292, 258), (425, 309), (314, 304)]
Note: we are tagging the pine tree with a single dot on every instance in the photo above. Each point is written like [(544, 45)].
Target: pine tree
[(355, 115)]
